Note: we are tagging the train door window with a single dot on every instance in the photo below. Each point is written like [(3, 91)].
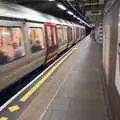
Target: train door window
[(36, 39), (65, 34), (54, 36), (70, 33), (11, 44), (73, 34), (49, 36), (60, 35), (77, 33)]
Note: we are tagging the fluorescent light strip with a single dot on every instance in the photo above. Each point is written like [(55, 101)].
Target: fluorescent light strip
[(69, 12), (62, 7), (51, 0), (83, 21), (74, 16)]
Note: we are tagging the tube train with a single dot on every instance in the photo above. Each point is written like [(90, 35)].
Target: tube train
[(29, 39)]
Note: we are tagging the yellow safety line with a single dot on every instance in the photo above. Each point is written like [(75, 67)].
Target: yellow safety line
[(53, 53), (42, 81), (3, 118), (13, 108)]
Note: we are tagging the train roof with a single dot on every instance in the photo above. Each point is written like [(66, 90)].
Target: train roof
[(12, 10)]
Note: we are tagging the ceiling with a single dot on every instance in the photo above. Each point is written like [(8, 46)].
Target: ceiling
[(93, 9), (88, 4), (81, 8)]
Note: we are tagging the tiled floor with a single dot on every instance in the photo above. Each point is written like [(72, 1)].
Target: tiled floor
[(79, 85), (81, 97)]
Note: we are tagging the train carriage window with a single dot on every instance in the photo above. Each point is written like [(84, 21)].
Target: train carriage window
[(11, 44), (36, 39), (54, 35)]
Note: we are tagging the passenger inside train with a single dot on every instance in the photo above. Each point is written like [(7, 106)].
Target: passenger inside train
[(35, 37), (11, 44), (36, 46), (3, 56), (18, 50)]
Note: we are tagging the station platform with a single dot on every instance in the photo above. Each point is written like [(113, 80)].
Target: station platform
[(75, 91)]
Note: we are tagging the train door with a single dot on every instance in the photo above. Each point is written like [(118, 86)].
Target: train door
[(73, 35), (65, 36), (51, 41), (80, 33), (69, 37), (77, 34)]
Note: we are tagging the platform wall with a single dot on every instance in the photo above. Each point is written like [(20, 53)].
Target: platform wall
[(110, 39)]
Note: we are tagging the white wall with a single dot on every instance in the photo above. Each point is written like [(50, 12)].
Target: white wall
[(117, 76), (106, 49)]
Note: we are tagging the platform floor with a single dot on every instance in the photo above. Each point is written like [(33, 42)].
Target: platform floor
[(75, 91)]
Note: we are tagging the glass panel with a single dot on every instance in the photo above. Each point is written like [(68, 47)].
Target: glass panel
[(49, 36), (70, 33), (11, 44), (54, 35), (73, 34), (77, 33), (36, 39), (65, 34), (60, 35), (80, 33)]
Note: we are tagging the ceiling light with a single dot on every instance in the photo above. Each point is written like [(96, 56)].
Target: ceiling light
[(62, 7), (69, 12), (74, 16), (51, 0), (78, 18), (82, 21)]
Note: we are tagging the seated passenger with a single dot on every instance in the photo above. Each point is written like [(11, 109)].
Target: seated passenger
[(3, 56), (36, 46), (18, 50)]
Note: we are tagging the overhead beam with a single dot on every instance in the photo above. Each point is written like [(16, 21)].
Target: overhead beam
[(94, 7)]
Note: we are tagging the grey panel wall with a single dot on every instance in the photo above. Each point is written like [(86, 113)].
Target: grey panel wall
[(110, 31)]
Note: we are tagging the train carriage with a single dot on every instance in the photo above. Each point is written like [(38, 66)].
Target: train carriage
[(52, 42), (29, 39)]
